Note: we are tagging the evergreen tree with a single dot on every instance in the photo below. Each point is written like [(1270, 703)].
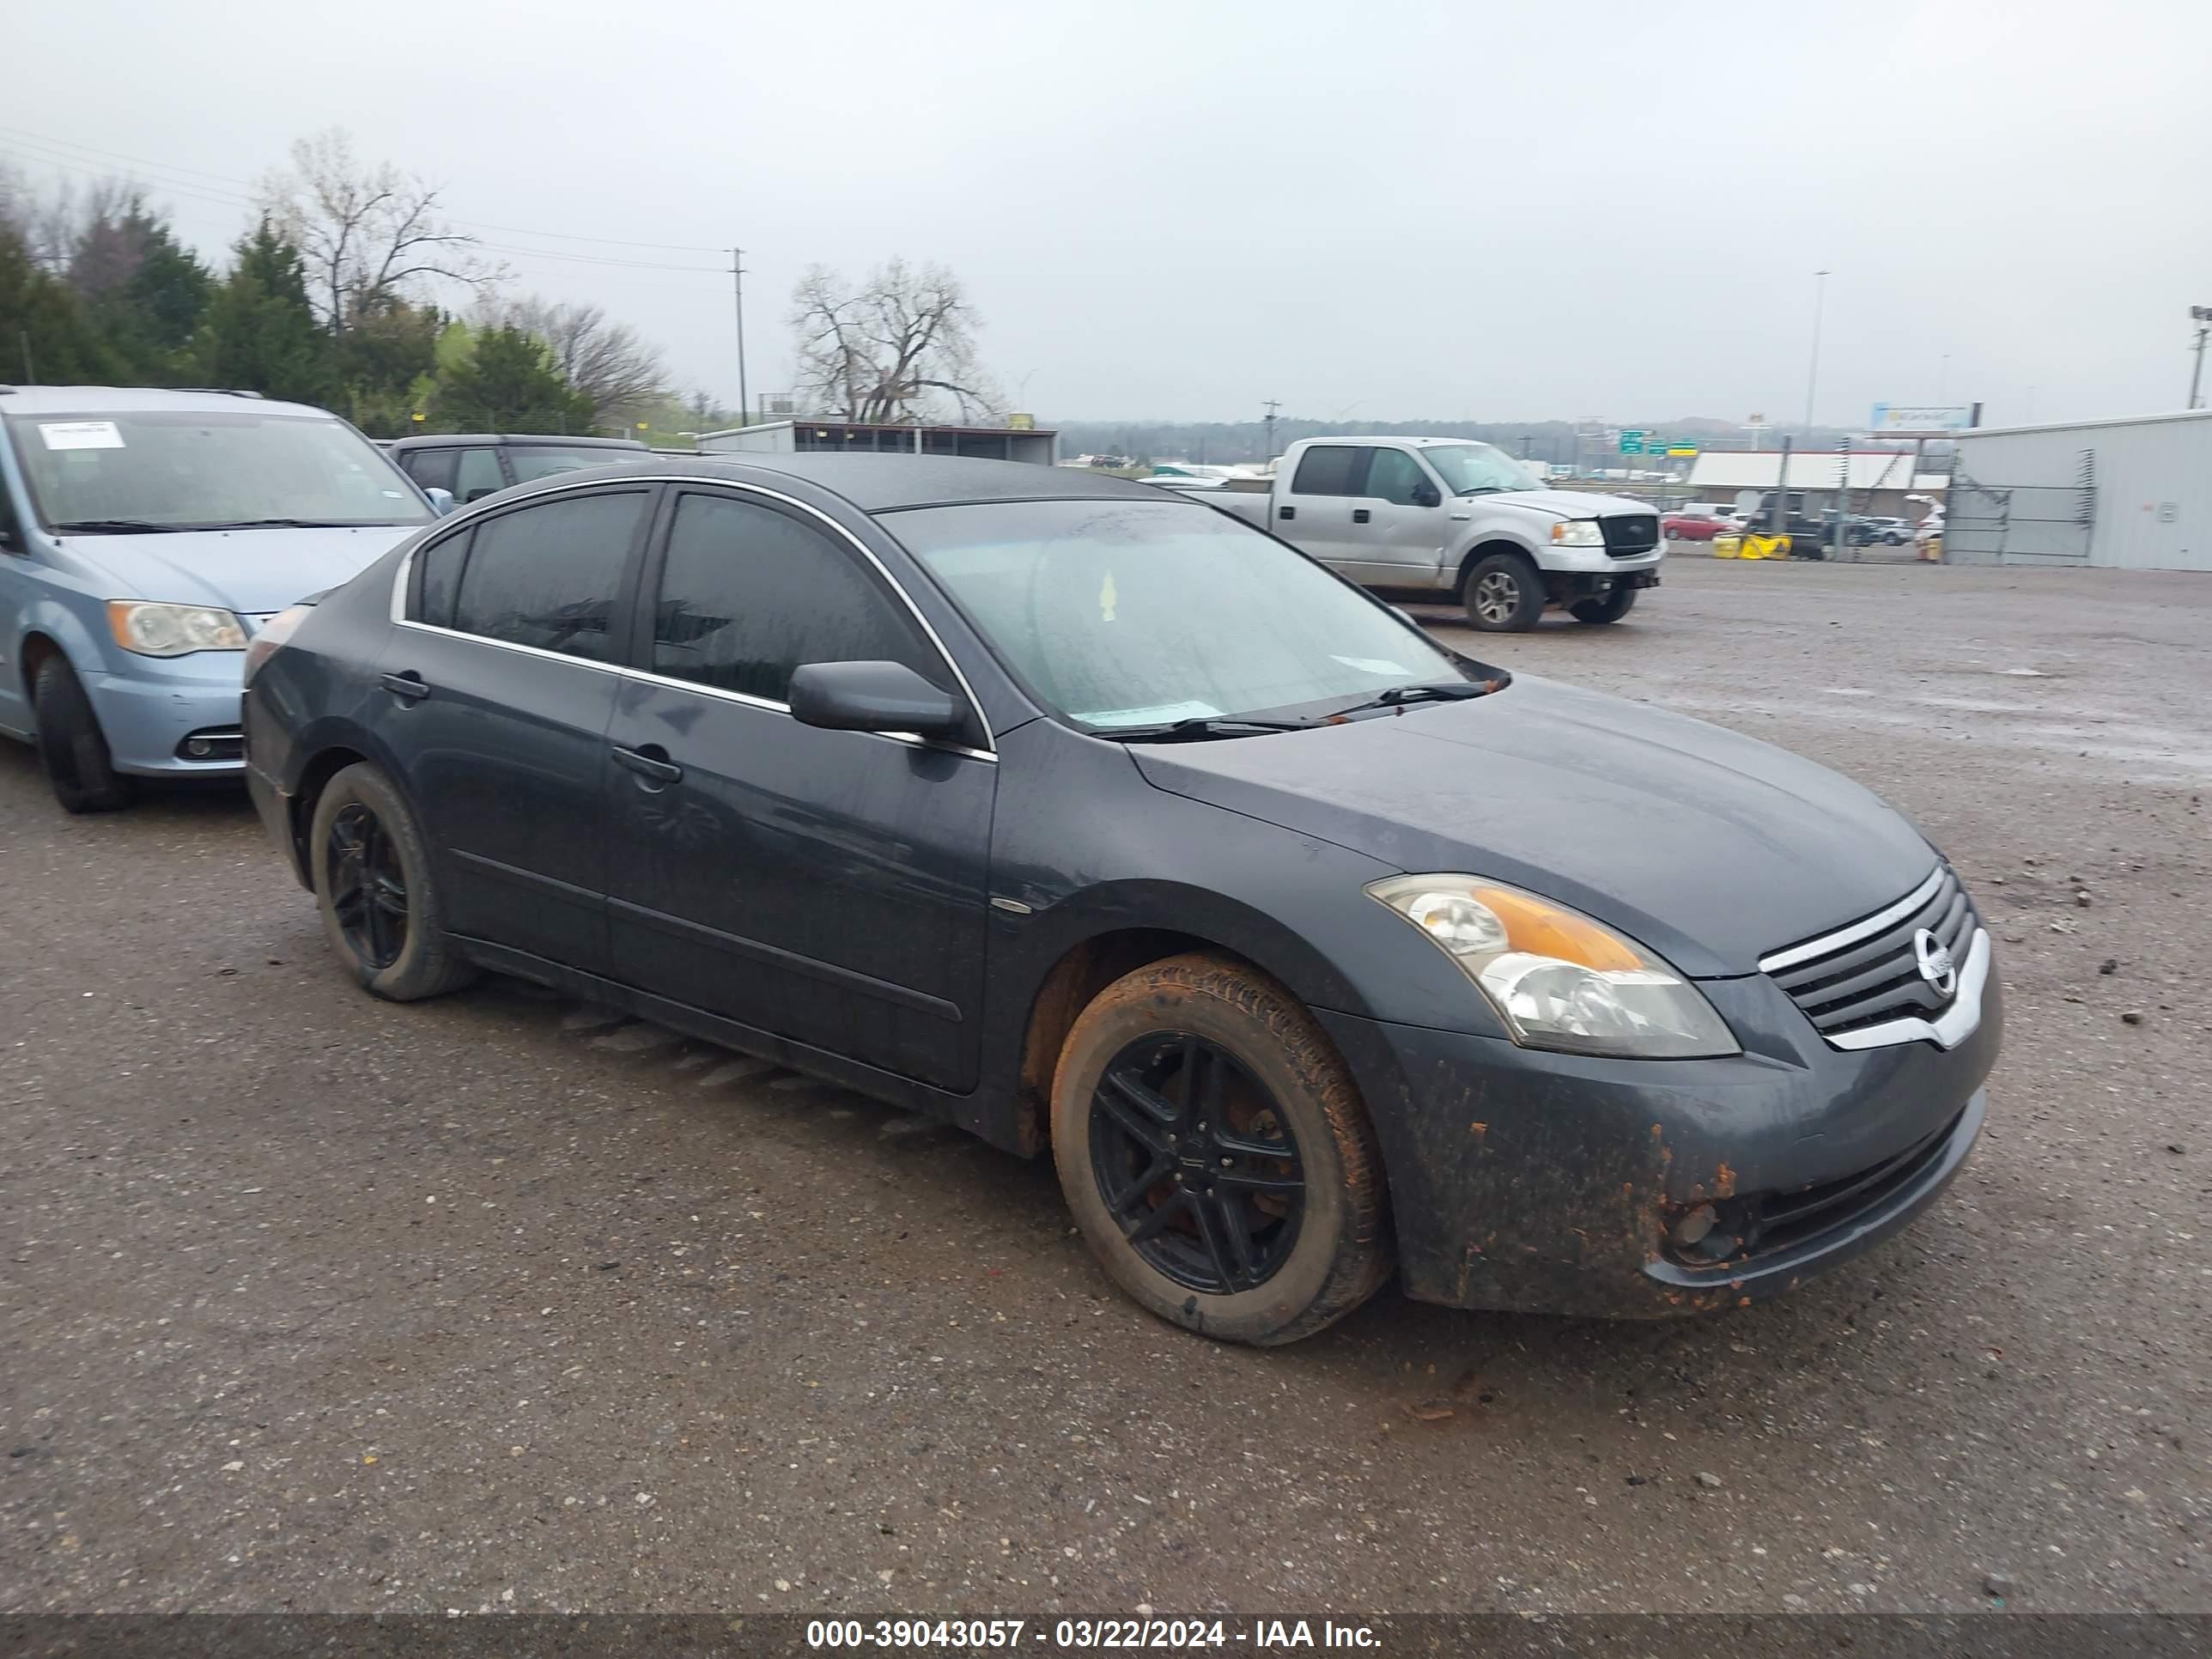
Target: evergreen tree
[(260, 334), (145, 290), (45, 334), (384, 357), (508, 384)]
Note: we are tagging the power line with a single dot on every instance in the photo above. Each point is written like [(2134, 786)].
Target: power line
[(69, 144)]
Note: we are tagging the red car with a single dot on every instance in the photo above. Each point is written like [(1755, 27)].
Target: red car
[(1695, 524)]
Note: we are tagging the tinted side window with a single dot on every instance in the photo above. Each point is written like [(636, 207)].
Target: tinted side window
[(478, 475), (441, 578), (431, 468), (550, 576), (1330, 470), (1394, 475), (747, 594)]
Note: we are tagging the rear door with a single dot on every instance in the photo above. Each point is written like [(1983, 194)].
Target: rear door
[(1315, 511), (1398, 523), (498, 688), (826, 886)]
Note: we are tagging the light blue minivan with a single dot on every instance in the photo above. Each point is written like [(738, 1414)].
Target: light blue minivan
[(144, 537)]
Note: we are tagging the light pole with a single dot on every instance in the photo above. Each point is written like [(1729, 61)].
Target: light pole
[(2201, 316), (1813, 373)]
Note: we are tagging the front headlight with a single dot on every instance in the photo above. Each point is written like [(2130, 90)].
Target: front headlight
[(1557, 979), (1577, 532), (172, 630)]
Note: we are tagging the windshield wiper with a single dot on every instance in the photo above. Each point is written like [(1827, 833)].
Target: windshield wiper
[(1201, 725), (1398, 697), (112, 527), (292, 524)]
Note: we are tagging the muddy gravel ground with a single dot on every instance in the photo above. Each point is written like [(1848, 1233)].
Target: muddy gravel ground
[(314, 1303)]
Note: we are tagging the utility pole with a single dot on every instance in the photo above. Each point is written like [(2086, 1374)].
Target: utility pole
[(2201, 315), (738, 292), (1271, 406), (1813, 374), (31, 377)]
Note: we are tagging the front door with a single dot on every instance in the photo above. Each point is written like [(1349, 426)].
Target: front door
[(1399, 522), (495, 694), (829, 887)]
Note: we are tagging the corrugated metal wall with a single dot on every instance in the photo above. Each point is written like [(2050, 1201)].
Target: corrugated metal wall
[(2153, 482)]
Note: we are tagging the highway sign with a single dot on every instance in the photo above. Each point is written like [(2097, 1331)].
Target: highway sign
[(1631, 440)]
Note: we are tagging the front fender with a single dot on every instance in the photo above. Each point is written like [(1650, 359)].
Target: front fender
[(89, 653)]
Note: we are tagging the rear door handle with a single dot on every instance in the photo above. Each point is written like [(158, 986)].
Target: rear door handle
[(651, 762), (1286, 512), (409, 685), (1360, 516)]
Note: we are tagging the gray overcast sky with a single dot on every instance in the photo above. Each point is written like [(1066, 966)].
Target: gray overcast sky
[(1369, 209)]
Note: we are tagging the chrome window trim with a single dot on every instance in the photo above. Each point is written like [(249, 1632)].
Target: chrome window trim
[(1845, 937), (1948, 1028), (490, 507)]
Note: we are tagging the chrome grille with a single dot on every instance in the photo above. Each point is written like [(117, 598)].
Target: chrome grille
[(1868, 974)]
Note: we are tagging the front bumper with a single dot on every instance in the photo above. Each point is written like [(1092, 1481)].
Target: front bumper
[(1548, 1182), (147, 717)]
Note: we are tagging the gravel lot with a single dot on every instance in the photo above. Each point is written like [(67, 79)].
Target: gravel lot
[(314, 1303)]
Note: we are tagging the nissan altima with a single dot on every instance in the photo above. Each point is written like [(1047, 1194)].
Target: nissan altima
[(1108, 827)]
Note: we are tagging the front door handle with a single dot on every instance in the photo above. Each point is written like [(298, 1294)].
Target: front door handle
[(650, 763), (409, 685), (1360, 516)]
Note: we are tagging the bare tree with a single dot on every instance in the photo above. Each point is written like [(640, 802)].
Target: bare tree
[(897, 347), (368, 234), (605, 361)]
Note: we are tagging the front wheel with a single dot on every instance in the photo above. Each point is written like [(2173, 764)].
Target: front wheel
[(1216, 1155), (381, 907), (1503, 594), (1606, 608), (72, 748)]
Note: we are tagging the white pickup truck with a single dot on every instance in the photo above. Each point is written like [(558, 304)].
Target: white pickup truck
[(1435, 516)]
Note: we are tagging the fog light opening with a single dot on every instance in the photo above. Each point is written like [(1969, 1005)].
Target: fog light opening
[(1693, 1227)]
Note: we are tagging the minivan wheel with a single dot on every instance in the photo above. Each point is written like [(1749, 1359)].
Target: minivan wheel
[(372, 884), (71, 746), (1216, 1155), (1607, 608), (1503, 594)]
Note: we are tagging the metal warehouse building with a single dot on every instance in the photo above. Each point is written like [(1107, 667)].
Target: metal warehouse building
[(2133, 494)]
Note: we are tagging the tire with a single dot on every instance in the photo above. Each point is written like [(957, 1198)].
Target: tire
[(1890, 539), (1266, 1076), (1609, 608), (1671, 533), (71, 749), (391, 938), (1503, 594)]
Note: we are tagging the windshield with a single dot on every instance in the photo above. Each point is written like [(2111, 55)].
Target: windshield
[(189, 471), (1127, 614), (1475, 469), (536, 461)]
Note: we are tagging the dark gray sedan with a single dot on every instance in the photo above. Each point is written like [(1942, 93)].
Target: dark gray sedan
[(1100, 823)]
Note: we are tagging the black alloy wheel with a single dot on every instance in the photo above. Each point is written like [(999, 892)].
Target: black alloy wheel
[(367, 886), (1196, 1162)]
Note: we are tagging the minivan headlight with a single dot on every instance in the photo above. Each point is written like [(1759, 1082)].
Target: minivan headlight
[(1558, 980), (1577, 532), (172, 630)]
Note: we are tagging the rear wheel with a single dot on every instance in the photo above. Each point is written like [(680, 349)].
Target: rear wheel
[(71, 746), (1503, 594), (1606, 608), (381, 907), (1216, 1155)]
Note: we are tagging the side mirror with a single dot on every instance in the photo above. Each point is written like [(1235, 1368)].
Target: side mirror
[(441, 501), (1427, 495), (871, 697)]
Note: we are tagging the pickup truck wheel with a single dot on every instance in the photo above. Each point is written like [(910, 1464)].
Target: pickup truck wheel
[(1215, 1156), (72, 748), (1503, 594), (1609, 608)]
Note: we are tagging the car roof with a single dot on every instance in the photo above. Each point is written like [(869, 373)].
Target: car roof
[(142, 400), (881, 483), (448, 440), (1372, 438)]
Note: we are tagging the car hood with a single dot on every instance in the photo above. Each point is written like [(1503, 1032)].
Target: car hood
[(1710, 847), (249, 571), (1552, 504)]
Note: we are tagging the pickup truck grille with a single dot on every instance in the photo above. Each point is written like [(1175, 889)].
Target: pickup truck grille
[(1867, 977), (1627, 534)]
